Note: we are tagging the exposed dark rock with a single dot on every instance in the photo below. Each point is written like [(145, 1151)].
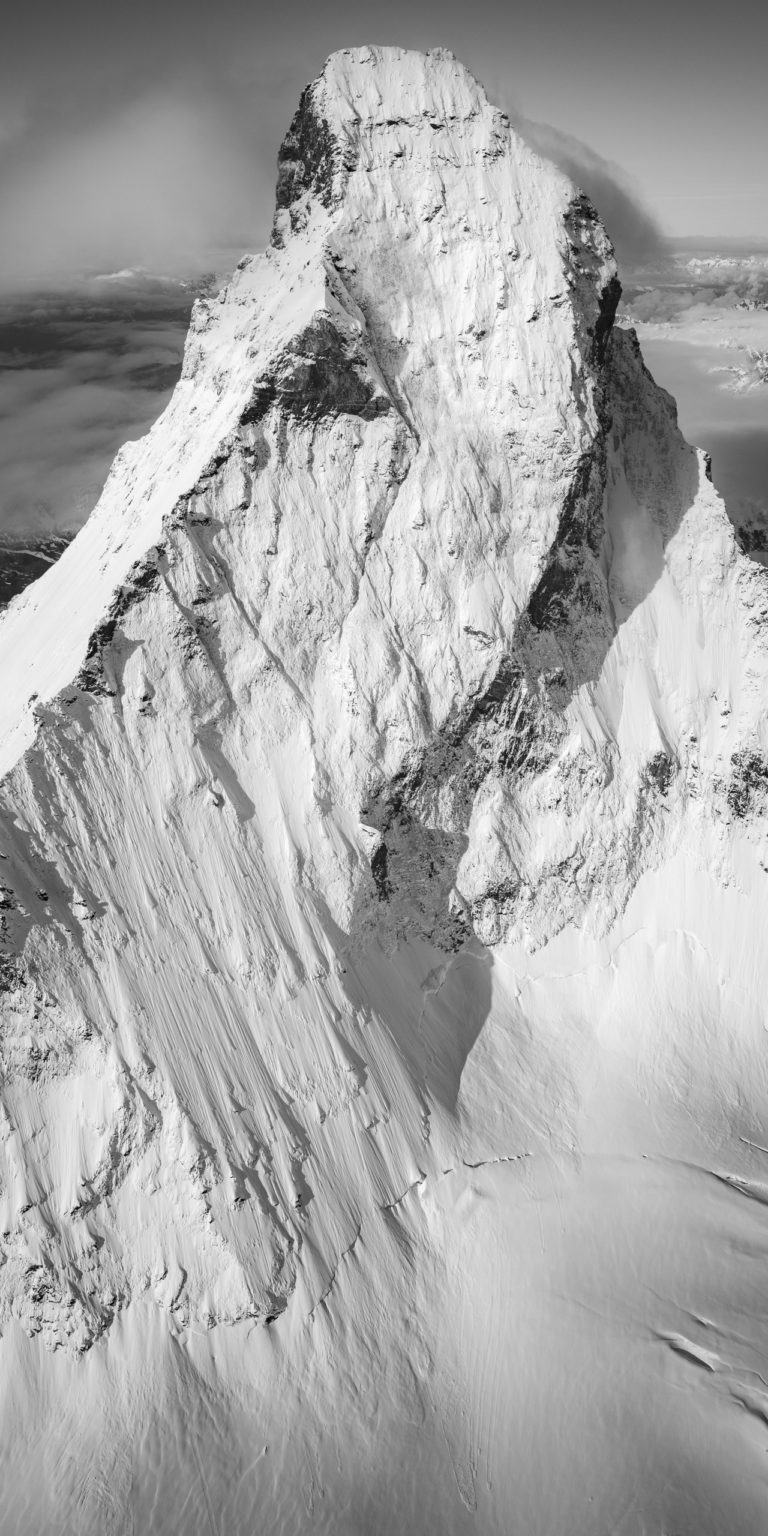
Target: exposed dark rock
[(609, 303), (379, 872), (320, 374), (11, 972), (423, 812), (660, 771), (753, 538), (580, 221), (307, 158), (142, 578), (748, 786), (579, 533)]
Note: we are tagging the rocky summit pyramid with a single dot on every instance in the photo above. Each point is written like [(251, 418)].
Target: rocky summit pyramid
[(384, 895)]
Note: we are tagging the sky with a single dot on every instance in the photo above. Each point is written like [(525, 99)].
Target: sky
[(148, 133)]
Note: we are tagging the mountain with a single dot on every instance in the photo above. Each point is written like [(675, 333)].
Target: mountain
[(384, 897)]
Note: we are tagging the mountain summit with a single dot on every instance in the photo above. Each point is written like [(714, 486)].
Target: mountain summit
[(383, 896)]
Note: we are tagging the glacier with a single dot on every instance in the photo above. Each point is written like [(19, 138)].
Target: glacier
[(383, 859)]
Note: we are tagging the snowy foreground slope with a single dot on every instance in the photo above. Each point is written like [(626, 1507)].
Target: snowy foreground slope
[(384, 1096)]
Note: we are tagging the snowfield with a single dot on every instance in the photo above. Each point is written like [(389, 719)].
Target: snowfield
[(384, 862)]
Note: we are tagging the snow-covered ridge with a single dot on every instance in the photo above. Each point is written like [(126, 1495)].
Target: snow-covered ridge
[(366, 758)]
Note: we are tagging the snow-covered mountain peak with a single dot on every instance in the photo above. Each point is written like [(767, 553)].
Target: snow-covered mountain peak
[(435, 271), (373, 106), (385, 778)]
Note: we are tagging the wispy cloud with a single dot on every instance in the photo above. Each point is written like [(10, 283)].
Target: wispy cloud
[(636, 235)]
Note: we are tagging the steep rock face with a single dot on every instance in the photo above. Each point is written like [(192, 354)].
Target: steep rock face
[(412, 637)]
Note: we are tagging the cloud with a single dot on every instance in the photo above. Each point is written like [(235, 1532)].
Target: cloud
[(635, 233), (80, 373), (166, 182), (159, 182)]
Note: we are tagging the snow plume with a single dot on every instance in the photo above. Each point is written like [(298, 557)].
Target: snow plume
[(635, 233)]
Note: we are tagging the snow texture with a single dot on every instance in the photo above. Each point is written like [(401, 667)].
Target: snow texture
[(385, 774)]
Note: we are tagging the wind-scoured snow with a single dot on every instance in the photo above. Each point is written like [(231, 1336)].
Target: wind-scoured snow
[(383, 897)]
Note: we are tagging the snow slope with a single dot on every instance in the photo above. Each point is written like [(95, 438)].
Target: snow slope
[(383, 865)]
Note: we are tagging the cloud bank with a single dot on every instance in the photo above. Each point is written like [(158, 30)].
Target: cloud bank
[(79, 373)]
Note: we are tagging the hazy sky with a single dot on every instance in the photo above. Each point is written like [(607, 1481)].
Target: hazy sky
[(80, 371), (148, 132)]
